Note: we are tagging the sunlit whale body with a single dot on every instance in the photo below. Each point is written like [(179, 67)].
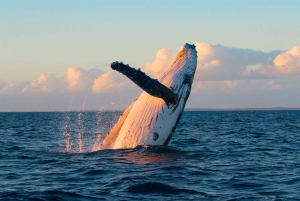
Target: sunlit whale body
[(153, 117)]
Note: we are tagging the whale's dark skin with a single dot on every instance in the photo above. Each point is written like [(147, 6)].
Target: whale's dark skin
[(151, 86)]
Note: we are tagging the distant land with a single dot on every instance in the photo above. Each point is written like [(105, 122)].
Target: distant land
[(186, 109), (240, 109)]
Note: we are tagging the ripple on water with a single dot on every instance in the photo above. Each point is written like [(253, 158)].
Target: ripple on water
[(236, 155)]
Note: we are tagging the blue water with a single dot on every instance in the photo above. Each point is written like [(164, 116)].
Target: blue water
[(214, 155)]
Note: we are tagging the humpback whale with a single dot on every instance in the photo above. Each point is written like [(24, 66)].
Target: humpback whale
[(153, 117)]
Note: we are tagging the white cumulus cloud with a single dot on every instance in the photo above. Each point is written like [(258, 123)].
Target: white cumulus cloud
[(288, 63), (108, 83), (44, 84), (80, 80), (217, 62), (285, 64), (225, 76), (161, 61)]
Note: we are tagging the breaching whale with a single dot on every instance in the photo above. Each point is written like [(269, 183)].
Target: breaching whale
[(153, 117)]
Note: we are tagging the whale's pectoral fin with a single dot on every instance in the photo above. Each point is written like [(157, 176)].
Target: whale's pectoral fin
[(151, 86)]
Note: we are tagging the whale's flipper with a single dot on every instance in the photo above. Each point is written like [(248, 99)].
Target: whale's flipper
[(151, 86), (113, 134)]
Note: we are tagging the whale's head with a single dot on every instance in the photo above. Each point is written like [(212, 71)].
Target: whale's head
[(179, 77), (182, 70)]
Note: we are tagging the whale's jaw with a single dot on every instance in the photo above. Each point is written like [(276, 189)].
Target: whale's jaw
[(153, 117)]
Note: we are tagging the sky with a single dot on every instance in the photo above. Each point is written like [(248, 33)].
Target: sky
[(56, 55)]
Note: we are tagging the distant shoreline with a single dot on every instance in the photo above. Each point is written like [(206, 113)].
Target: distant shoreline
[(186, 110), (241, 109)]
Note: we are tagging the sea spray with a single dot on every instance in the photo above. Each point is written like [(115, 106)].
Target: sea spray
[(84, 131)]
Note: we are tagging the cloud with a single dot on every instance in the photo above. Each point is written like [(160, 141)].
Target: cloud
[(7, 88), (226, 85), (78, 89), (225, 76), (108, 83), (277, 92), (44, 84), (12, 89), (286, 63), (80, 80), (217, 62), (75, 80), (205, 53), (161, 61)]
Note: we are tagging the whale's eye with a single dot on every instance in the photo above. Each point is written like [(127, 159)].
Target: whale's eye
[(155, 136)]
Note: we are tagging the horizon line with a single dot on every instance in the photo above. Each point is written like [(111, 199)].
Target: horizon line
[(186, 109)]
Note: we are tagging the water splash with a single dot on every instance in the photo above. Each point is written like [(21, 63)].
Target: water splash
[(99, 138), (80, 127), (80, 142), (67, 136), (74, 132), (72, 126), (84, 131)]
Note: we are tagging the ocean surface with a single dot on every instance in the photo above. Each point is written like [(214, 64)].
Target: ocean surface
[(213, 155)]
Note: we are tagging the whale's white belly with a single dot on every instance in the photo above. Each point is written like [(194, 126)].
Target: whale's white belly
[(150, 122)]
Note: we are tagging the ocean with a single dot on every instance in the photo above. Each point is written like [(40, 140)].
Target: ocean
[(213, 155)]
